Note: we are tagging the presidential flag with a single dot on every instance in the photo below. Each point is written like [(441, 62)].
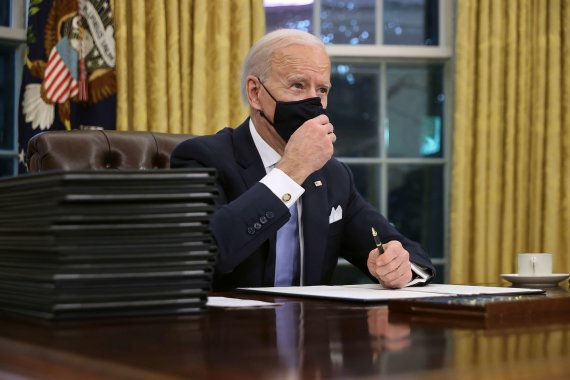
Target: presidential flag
[(69, 79)]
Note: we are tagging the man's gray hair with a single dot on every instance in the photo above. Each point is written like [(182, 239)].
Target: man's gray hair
[(259, 58)]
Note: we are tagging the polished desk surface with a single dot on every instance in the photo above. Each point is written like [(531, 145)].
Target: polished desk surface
[(301, 338)]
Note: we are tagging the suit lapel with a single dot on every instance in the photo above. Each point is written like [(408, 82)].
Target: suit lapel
[(315, 227), (247, 156)]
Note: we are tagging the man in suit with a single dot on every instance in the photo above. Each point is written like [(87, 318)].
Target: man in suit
[(287, 210)]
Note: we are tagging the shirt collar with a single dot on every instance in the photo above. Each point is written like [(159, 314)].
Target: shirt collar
[(269, 156)]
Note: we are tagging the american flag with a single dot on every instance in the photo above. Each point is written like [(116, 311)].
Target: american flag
[(60, 80)]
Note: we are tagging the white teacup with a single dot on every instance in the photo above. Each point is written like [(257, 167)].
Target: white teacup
[(534, 264)]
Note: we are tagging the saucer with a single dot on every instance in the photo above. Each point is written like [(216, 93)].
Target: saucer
[(545, 280)]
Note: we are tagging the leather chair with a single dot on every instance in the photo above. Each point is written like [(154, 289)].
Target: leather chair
[(101, 150)]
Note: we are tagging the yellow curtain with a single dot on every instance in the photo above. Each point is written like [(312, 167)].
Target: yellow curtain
[(511, 155), (179, 61)]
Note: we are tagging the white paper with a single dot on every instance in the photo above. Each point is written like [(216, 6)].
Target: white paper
[(463, 290), (375, 292), (236, 302)]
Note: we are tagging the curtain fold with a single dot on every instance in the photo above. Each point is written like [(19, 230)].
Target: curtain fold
[(511, 154), (179, 62)]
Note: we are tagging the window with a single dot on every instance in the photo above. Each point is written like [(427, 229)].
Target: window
[(12, 36), (391, 65), (5, 13)]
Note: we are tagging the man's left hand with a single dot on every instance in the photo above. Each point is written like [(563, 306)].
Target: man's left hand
[(392, 268)]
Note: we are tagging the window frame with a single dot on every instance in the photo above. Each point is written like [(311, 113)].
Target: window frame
[(385, 54), (14, 36)]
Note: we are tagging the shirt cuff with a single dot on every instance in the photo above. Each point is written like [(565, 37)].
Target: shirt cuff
[(283, 186), (420, 275)]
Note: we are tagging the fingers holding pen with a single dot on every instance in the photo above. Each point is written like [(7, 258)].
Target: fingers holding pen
[(393, 267)]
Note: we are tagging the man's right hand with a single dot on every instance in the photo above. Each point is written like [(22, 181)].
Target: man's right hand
[(308, 149)]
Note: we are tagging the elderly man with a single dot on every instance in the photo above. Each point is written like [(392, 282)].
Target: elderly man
[(287, 210)]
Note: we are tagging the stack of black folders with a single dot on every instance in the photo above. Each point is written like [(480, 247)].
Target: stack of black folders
[(94, 244)]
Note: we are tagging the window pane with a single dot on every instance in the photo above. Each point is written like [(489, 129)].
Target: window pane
[(353, 109), (415, 110), (289, 14), (7, 167), (5, 13), (415, 204), (348, 22), (367, 180), (6, 98), (411, 22)]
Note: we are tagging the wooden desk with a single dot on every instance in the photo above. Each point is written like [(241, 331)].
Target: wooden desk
[(303, 338)]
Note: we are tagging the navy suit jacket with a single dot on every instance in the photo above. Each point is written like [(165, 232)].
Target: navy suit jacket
[(246, 255)]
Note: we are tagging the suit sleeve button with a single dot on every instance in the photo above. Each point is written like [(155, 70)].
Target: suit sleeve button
[(263, 220), (269, 214), (257, 226), (250, 230)]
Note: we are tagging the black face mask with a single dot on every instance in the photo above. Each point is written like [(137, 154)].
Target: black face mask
[(289, 116)]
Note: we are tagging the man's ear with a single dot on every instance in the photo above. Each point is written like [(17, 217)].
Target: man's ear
[(253, 88)]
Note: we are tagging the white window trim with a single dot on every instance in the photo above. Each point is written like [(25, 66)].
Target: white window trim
[(389, 51), (12, 35)]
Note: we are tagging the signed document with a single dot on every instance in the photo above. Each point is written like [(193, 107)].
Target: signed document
[(376, 293)]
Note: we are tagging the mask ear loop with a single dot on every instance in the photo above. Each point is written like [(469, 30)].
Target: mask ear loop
[(261, 113), (275, 100)]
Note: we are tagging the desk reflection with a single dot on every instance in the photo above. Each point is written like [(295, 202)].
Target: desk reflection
[(301, 338), (386, 336), (308, 340)]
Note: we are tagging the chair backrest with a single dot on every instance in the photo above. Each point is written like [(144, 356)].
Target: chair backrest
[(101, 150)]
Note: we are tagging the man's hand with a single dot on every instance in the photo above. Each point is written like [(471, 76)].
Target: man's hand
[(392, 268), (308, 149)]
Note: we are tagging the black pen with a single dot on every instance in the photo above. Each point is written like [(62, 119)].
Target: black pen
[(377, 241)]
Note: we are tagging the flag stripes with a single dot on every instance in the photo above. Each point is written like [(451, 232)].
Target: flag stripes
[(59, 84)]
